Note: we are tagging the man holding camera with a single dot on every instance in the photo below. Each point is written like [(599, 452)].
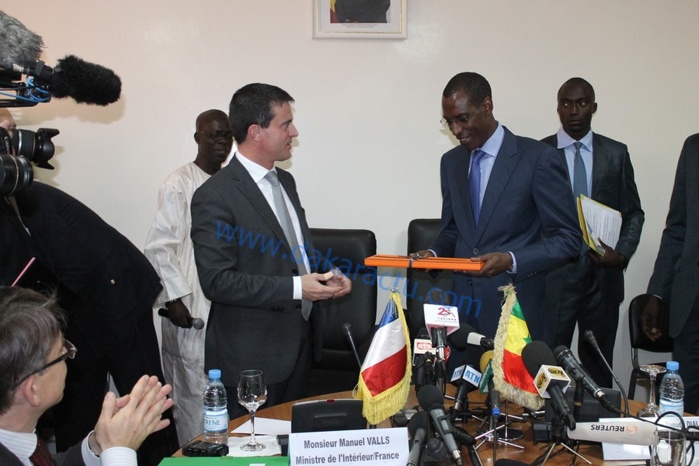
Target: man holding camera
[(107, 287)]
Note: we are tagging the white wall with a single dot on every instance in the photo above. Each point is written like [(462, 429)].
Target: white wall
[(367, 110)]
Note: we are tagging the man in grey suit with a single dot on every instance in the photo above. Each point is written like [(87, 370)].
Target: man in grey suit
[(505, 201), (676, 274), (589, 290), (250, 242)]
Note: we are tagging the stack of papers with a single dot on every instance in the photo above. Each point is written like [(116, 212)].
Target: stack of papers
[(598, 222)]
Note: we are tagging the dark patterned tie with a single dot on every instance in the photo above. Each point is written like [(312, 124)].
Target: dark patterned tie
[(579, 173), (41, 456), (474, 183)]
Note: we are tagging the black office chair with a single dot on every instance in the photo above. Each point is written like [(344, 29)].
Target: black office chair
[(338, 369), (639, 341), (423, 286)]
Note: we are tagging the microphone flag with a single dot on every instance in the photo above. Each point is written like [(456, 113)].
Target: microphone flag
[(384, 380), (510, 375)]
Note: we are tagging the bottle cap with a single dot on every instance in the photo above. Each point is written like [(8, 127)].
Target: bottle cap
[(672, 365), (214, 373)]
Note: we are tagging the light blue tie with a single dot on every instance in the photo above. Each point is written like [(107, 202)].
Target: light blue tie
[(474, 183), (287, 225)]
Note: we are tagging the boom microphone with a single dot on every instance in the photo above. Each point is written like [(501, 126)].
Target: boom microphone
[(86, 83), (18, 45), (432, 400), (571, 365)]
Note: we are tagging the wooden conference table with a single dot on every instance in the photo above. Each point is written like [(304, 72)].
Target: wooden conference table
[(531, 451)]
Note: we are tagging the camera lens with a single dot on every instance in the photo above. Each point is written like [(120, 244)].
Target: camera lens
[(36, 147), (15, 175)]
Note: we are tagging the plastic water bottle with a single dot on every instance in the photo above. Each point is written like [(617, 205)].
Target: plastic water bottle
[(672, 390), (215, 409)]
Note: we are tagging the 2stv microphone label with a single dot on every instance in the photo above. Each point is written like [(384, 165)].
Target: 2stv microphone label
[(441, 316), (547, 375)]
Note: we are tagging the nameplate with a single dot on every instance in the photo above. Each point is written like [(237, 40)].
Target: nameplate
[(350, 447)]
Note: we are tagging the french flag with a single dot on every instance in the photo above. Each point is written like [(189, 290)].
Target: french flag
[(384, 380)]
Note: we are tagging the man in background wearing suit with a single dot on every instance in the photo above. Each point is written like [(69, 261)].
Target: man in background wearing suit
[(676, 273), (506, 202), (589, 290), (33, 355), (250, 239)]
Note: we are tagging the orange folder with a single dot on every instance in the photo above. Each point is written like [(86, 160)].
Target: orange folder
[(441, 263)]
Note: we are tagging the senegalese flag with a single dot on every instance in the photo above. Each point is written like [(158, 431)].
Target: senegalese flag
[(384, 380), (510, 376)]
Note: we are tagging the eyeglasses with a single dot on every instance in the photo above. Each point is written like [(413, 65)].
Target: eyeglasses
[(227, 135), (70, 353)]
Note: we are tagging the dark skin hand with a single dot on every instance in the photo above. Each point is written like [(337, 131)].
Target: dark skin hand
[(179, 314), (610, 258), (495, 263), (649, 318)]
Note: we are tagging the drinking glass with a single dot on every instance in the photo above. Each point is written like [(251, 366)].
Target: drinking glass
[(668, 448), (252, 393), (652, 409)]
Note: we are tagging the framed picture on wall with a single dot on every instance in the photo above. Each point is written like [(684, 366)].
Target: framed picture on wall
[(360, 19)]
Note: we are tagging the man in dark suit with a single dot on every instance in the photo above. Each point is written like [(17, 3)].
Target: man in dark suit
[(676, 274), (33, 353), (589, 290), (506, 202), (251, 239)]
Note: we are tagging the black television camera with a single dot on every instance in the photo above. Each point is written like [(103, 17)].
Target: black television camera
[(17, 154)]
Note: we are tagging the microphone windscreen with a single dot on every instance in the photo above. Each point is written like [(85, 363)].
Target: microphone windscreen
[(485, 359), (430, 397), (535, 355), (460, 338), (18, 45), (418, 421), (85, 82)]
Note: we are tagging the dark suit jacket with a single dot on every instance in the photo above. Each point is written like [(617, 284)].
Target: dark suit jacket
[(112, 283), (613, 185), (244, 265), (676, 272), (72, 457), (526, 210)]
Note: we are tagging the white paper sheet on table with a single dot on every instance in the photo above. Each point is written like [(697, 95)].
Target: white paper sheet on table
[(265, 426)]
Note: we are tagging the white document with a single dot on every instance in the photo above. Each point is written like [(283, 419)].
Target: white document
[(598, 222)]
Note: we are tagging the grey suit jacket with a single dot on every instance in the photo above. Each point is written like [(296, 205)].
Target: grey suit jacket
[(526, 209), (72, 457), (245, 269), (676, 272), (613, 185)]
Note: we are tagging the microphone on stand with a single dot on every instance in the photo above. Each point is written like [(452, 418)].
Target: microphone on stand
[(417, 428), (571, 365), (590, 337), (432, 401), (348, 333)]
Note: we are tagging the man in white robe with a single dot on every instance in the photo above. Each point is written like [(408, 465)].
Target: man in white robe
[(169, 249)]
